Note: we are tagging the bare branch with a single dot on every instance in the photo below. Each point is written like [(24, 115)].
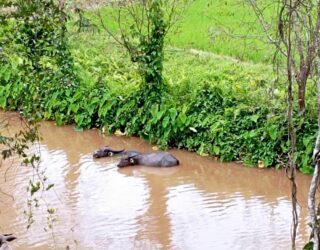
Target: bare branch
[(262, 21), (298, 38), (107, 29)]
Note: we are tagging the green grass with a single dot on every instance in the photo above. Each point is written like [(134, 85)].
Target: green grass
[(100, 60), (223, 27), (227, 27), (201, 27)]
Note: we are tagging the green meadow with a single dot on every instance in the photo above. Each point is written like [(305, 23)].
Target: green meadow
[(223, 27)]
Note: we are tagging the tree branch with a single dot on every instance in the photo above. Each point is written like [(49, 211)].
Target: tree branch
[(264, 25)]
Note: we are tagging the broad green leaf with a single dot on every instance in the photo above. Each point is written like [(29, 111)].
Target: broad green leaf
[(216, 150), (173, 113), (273, 133), (154, 110), (165, 122), (306, 141), (254, 118), (182, 118), (6, 75)]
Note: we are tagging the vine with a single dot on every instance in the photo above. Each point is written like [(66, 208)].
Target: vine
[(143, 26), (40, 66)]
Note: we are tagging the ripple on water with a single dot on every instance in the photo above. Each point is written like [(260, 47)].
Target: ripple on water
[(108, 202), (94, 199), (210, 221)]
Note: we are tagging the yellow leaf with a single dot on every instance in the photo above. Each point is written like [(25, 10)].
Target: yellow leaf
[(260, 164), (119, 133), (204, 154)]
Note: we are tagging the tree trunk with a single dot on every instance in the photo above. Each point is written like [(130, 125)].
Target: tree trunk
[(312, 204), (301, 98), (315, 179), (301, 79)]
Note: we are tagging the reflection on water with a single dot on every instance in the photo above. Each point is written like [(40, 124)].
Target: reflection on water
[(201, 204)]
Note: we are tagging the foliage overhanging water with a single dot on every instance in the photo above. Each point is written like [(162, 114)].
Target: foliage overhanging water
[(202, 204)]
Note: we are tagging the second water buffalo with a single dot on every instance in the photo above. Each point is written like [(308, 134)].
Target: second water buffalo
[(158, 159), (106, 151)]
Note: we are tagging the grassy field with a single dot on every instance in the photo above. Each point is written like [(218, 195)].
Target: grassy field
[(99, 59), (235, 62), (223, 27)]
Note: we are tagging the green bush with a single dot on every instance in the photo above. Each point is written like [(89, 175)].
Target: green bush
[(210, 123)]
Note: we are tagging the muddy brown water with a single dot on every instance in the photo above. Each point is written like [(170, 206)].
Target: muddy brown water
[(201, 204)]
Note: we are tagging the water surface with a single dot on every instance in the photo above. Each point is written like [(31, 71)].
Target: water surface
[(201, 204)]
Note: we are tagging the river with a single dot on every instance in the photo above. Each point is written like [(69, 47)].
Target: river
[(201, 204)]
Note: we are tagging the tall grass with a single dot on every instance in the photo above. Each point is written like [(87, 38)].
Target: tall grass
[(224, 27), (227, 27)]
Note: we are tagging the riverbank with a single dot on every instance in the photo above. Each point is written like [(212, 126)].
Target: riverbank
[(214, 105)]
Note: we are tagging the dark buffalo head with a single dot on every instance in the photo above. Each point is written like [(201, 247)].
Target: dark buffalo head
[(127, 161), (106, 151), (4, 238)]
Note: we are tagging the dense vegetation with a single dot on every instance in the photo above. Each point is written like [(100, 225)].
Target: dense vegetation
[(213, 104)]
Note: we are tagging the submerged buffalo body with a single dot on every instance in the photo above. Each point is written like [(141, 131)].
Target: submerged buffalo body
[(4, 239), (159, 159)]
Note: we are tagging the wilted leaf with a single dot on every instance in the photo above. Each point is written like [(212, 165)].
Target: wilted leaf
[(261, 164), (119, 133)]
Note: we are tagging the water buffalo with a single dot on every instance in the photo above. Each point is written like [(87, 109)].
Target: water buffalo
[(4, 239), (106, 151), (158, 159)]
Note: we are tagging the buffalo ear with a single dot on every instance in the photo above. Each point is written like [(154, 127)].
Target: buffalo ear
[(110, 153)]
